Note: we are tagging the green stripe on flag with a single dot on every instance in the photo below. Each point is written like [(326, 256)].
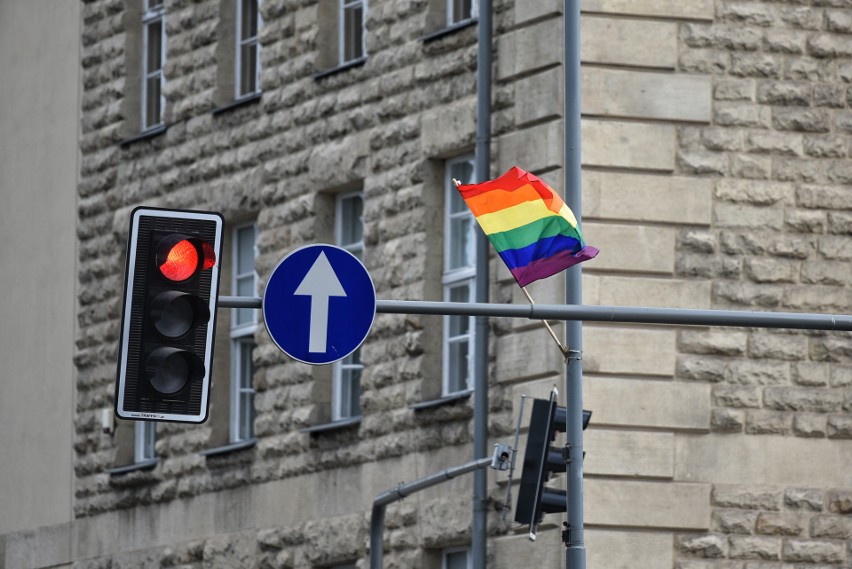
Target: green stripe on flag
[(532, 232)]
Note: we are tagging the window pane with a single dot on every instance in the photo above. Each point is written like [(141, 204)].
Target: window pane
[(348, 378), (355, 394), (244, 278), (244, 316), (146, 437), (458, 11), (154, 3), (155, 41), (246, 365), (350, 392), (244, 390), (352, 32), (462, 171), (247, 416), (152, 102), (245, 250), (351, 225), (459, 326), (249, 19), (457, 204), (461, 243), (455, 560), (150, 439), (245, 286), (457, 380), (248, 68)]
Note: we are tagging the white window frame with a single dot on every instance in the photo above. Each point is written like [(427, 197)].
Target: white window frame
[(241, 42), (451, 9), (242, 335), (145, 438), (454, 277), (340, 405), (150, 16), (343, 37), (450, 550)]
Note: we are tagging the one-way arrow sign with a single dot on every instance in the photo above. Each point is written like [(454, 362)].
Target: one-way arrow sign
[(319, 304), (320, 284)]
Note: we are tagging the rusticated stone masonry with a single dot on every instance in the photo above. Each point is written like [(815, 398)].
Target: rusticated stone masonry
[(717, 171), (778, 149), (756, 526)]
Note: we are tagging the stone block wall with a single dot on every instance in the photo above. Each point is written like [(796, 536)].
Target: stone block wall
[(715, 149)]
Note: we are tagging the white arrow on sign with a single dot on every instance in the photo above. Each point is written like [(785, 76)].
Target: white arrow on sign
[(319, 283)]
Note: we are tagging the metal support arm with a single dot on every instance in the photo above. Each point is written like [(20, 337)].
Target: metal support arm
[(626, 314), (498, 461)]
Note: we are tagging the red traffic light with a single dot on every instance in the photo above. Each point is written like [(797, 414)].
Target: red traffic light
[(169, 316), (180, 257), (177, 258)]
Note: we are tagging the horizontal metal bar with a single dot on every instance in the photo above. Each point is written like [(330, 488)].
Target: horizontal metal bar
[(403, 490), (240, 302), (623, 314)]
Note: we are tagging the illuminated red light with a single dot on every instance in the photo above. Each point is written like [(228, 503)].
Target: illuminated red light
[(181, 261), (209, 255)]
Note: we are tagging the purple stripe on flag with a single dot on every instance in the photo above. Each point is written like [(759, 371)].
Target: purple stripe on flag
[(543, 268)]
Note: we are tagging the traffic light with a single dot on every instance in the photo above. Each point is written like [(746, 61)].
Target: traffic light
[(540, 461), (169, 315)]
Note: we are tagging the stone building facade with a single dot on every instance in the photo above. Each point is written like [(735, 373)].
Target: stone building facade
[(716, 144)]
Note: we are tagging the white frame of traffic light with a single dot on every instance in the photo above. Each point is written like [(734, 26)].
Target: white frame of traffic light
[(128, 303)]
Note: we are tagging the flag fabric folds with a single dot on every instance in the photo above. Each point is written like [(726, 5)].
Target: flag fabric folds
[(529, 225)]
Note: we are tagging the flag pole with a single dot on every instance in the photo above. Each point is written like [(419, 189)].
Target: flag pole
[(562, 348), (574, 535)]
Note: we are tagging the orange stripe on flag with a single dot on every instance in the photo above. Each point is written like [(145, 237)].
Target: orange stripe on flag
[(495, 200)]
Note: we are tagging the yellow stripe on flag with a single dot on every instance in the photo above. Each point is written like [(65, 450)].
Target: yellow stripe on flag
[(514, 217), (566, 212)]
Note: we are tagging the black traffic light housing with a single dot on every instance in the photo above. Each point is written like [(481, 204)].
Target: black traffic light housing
[(169, 315), (541, 460)]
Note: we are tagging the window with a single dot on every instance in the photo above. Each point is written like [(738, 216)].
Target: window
[(247, 67), (243, 327), (459, 277), (352, 45), (459, 11), (146, 437), (346, 374), (153, 55), (342, 44), (456, 558)]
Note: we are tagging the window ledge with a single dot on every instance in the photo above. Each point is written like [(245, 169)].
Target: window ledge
[(448, 30), (448, 400), (340, 68), (144, 135), (333, 426), (136, 466), (241, 102), (227, 449)]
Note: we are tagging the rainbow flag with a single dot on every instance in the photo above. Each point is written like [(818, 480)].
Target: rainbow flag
[(533, 230)]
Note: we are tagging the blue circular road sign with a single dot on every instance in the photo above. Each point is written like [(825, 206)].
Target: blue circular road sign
[(319, 304)]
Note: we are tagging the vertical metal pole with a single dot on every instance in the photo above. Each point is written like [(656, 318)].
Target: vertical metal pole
[(480, 373), (575, 553)]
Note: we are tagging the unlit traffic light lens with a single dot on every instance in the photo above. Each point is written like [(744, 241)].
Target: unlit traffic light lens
[(175, 313), (170, 369)]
